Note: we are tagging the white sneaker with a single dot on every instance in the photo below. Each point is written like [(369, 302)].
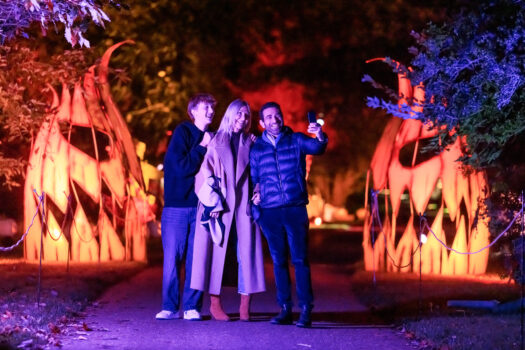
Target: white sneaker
[(167, 315), (192, 315)]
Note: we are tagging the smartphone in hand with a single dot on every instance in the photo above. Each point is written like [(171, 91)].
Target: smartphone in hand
[(312, 118)]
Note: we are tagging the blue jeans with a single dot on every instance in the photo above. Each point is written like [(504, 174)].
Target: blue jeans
[(178, 232), (287, 228)]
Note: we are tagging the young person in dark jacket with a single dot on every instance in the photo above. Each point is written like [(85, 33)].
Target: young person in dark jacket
[(278, 171), (182, 161)]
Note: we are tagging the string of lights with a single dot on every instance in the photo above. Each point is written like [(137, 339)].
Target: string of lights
[(424, 221), (6, 249), (479, 250), (375, 216)]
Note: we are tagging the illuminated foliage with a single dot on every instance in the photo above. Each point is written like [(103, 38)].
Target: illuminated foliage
[(476, 65), (26, 71), (474, 70), (24, 101), (16, 16)]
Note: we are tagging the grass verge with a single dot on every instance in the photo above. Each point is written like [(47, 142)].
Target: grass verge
[(420, 309), (64, 293)]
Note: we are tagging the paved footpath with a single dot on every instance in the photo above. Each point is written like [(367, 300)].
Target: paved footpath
[(123, 318)]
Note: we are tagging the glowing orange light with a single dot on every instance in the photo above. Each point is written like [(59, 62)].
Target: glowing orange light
[(89, 209), (418, 183)]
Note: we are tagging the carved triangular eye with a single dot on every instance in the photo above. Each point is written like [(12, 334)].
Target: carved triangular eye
[(421, 150), (82, 138)]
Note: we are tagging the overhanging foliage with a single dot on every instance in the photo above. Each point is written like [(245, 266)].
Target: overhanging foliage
[(16, 16), (473, 70), (24, 100)]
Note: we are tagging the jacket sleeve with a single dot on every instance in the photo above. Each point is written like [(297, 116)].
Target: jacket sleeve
[(205, 180), (311, 145), (253, 210), (254, 167), (185, 158)]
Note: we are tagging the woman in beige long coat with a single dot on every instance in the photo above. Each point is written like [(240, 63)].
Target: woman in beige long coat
[(223, 214)]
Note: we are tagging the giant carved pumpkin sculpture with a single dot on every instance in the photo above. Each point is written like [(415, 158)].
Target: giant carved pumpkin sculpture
[(84, 160), (458, 194)]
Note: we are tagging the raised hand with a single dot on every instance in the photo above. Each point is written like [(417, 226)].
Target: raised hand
[(315, 128), (256, 198), (206, 139)]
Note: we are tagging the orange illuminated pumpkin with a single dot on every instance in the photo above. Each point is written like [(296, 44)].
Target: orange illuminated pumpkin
[(84, 160), (424, 177)]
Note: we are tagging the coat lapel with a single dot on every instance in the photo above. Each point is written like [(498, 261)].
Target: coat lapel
[(225, 155), (243, 157)]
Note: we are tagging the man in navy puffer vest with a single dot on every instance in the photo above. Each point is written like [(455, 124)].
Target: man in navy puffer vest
[(278, 170)]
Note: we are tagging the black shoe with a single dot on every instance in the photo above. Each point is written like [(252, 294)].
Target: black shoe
[(305, 320), (284, 317)]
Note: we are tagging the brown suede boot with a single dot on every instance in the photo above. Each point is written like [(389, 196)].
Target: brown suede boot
[(244, 309), (216, 311)]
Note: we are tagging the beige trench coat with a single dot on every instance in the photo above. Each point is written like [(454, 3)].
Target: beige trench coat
[(208, 258)]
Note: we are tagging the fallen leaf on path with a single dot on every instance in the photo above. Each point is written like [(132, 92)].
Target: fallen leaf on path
[(86, 327), (55, 342), (424, 344), (53, 328)]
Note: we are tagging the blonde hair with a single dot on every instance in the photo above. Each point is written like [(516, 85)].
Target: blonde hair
[(226, 127)]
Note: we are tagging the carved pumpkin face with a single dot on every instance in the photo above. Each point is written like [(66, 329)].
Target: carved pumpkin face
[(82, 159), (424, 176)]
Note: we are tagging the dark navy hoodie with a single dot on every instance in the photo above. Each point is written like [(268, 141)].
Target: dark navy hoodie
[(181, 163)]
